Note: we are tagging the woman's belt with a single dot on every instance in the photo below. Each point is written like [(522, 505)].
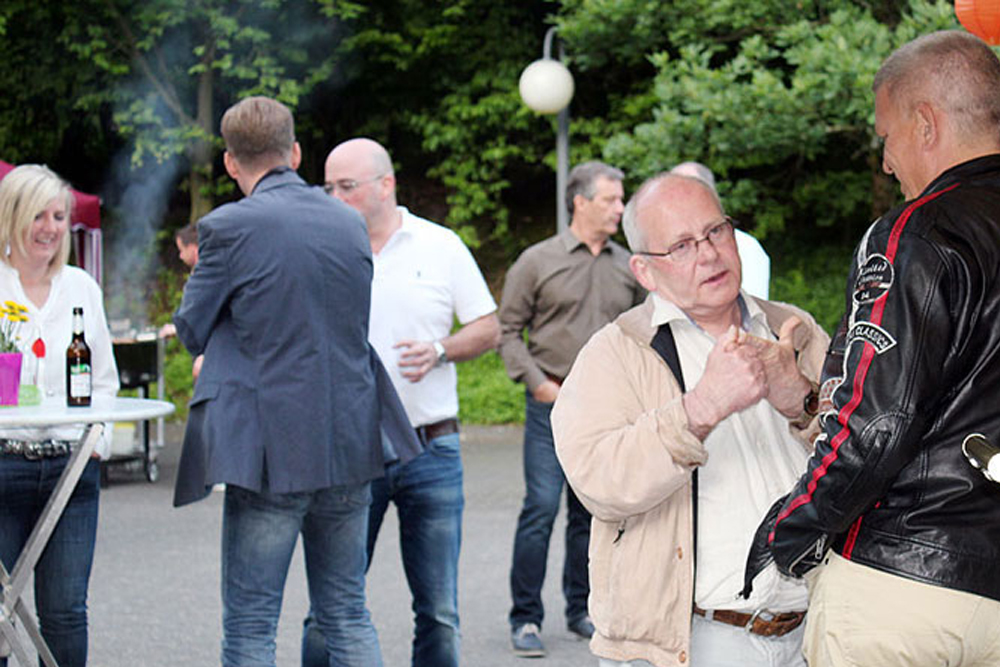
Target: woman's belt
[(36, 449)]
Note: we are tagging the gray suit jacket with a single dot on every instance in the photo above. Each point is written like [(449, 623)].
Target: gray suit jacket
[(291, 396)]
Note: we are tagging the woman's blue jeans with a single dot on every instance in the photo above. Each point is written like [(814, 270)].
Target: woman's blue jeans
[(63, 571), (543, 480), (259, 532)]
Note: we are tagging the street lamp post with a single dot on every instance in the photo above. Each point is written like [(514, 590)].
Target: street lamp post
[(546, 86)]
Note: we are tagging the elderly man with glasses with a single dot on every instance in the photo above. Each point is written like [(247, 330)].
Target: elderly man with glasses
[(678, 426)]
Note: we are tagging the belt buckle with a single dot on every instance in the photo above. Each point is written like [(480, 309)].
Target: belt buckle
[(753, 618), (32, 451)]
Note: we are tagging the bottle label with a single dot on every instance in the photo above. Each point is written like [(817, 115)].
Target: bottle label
[(79, 380)]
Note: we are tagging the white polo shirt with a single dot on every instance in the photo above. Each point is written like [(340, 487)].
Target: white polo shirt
[(753, 460), (424, 278)]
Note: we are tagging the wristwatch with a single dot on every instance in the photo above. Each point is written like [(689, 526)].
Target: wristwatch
[(442, 356), (810, 407)]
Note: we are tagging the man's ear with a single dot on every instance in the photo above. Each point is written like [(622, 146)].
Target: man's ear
[(640, 269), (232, 166), (296, 157), (387, 186), (928, 124)]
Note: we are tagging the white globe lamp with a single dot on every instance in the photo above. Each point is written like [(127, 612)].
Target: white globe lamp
[(546, 86)]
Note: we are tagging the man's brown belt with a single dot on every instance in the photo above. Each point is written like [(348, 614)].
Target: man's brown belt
[(428, 432), (774, 625)]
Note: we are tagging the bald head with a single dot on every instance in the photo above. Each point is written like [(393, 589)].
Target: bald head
[(366, 153), (695, 170), (359, 173), (675, 189), (955, 72)]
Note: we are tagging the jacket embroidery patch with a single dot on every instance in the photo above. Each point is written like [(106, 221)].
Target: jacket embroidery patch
[(871, 333), (874, 279)]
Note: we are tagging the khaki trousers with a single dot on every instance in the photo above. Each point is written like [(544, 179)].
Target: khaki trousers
[(863, 617)]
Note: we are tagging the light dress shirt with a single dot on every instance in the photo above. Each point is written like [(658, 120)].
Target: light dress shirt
[(753, 459), (53, 323), (424, 278)]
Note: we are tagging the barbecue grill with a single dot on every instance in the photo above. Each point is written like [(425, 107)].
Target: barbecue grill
[(139, 358)]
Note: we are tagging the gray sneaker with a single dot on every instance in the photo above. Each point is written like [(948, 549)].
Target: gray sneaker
[(527, 641)]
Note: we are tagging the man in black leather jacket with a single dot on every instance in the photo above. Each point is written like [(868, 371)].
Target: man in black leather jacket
[(907, 533)]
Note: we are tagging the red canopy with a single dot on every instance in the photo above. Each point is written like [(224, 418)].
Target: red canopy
[(86, 210)]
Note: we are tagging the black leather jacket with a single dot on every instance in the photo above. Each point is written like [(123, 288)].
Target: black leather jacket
[(914, 369)]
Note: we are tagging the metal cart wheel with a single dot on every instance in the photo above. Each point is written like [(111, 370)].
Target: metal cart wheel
[(152, 471)]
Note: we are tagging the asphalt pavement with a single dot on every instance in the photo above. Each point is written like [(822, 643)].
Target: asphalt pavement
[(154, 592)]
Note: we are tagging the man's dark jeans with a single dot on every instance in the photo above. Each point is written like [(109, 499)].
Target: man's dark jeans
[(544, 481), (428, 495)]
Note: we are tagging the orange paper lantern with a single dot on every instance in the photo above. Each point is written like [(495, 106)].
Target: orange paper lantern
[(981, 18)]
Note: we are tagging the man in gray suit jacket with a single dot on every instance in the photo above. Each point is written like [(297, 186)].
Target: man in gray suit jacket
[(288, 407)]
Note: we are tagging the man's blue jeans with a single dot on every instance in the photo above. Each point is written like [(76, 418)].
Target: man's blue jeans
[(63, 571), (544, 479), (429, 499), (259, 531)]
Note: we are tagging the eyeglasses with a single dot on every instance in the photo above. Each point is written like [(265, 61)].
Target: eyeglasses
[(346, 185), (686, 250)]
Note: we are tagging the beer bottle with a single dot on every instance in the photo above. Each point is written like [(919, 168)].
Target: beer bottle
[(78, 375)]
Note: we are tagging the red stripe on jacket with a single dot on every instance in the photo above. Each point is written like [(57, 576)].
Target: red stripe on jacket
[(858, 385)]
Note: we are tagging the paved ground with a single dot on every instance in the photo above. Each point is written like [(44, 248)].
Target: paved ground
[(154, 595)]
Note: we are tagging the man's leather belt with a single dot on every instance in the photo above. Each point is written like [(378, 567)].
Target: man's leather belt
[(763, 623), (34, 450), (428, 432)]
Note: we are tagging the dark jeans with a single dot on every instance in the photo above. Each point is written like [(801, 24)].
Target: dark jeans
[(544, 479), (63, 571), (259, 532), (428, 495)]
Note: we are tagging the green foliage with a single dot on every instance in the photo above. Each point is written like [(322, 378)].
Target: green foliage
[(437, 83), (486, 395), (773, 96), (813, 277), (177, 378), (42, 84), (177, 65)]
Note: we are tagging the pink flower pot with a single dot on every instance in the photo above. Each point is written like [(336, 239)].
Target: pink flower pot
[(10, 377)]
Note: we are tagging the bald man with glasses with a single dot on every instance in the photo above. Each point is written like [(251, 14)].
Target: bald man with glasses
[(677, 428), (425, 278)]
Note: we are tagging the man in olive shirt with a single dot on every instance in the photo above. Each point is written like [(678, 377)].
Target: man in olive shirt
[(561, 291)]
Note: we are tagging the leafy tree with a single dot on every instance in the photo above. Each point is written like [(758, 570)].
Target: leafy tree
[(774, 96), (42, 83), (437, 84), (180, 63)]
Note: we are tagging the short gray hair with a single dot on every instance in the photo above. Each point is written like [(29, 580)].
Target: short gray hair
[(953, 70), (635, 235), (583, 180)]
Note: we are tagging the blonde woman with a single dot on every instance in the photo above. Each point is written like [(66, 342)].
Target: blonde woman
[(35, 207)]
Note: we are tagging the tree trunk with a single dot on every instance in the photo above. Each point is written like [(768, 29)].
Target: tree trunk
[(200, 155)]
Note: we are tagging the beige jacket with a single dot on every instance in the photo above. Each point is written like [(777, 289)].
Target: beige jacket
[(621, 437)]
